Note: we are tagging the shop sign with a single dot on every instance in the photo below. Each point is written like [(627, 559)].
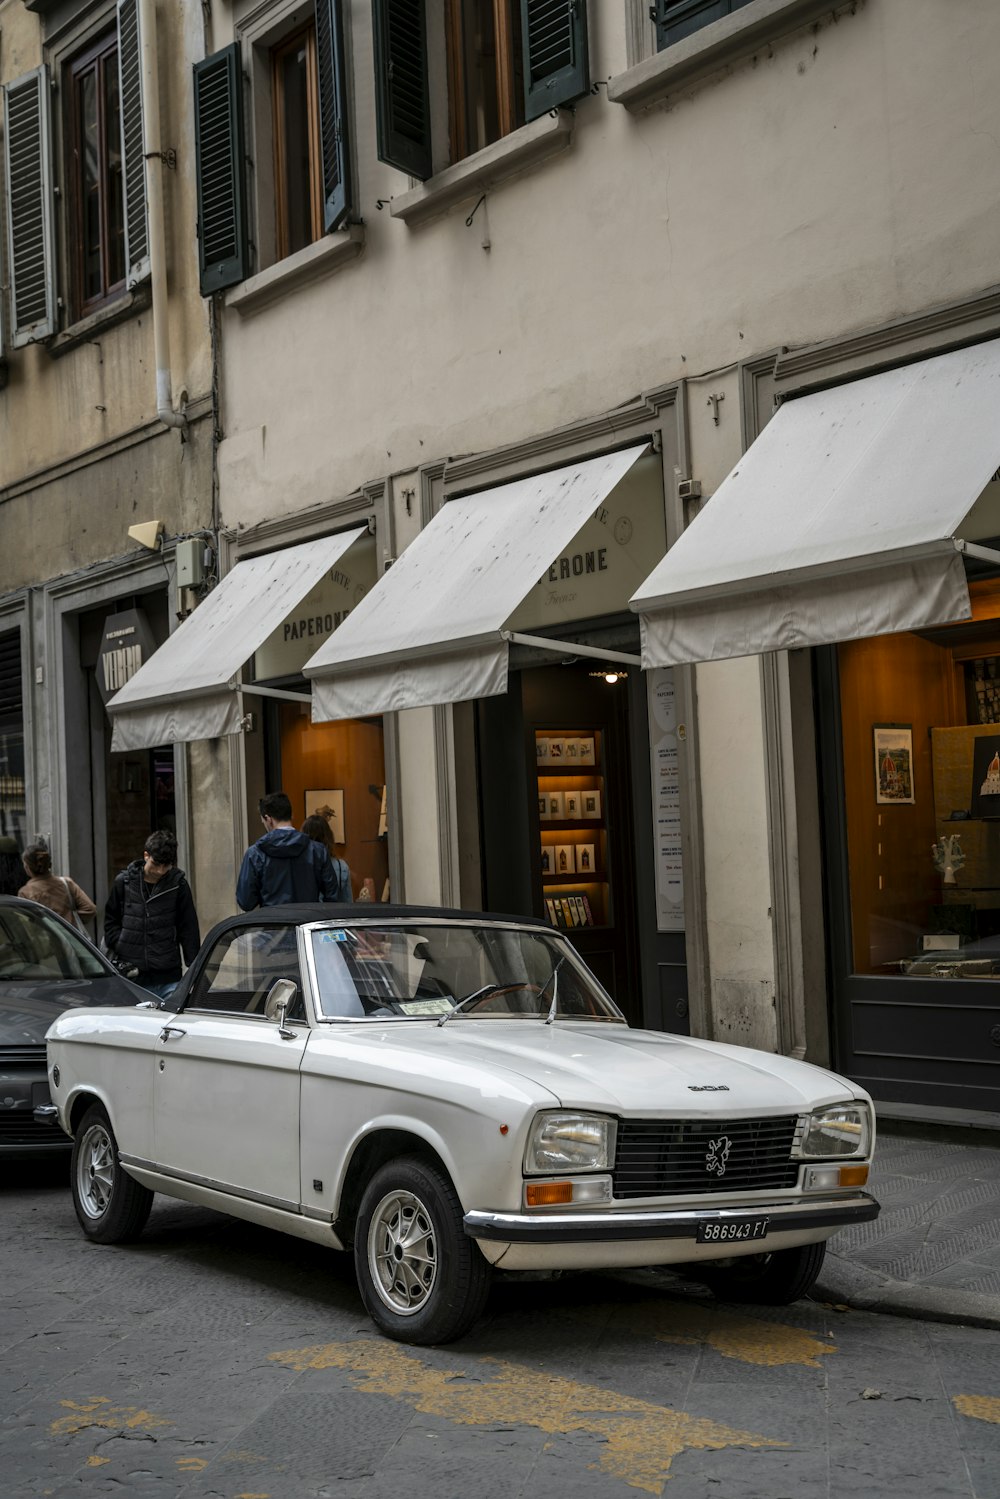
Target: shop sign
[(311, 622), (664, 764), (126, 643), (607, 560)]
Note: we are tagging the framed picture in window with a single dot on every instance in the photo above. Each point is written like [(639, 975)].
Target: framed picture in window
[(893, 763), (548, 853), (543, 807), (586, 754), (574, 804), (556, 805), (585, 858), (565, 861), (591, 803), (328, 804)]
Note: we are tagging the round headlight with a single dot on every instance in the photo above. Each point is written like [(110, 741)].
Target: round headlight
[(570, 1142)]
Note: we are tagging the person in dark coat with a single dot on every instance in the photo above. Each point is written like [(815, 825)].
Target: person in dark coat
[(150, 920), (284, 867), (11, 869)]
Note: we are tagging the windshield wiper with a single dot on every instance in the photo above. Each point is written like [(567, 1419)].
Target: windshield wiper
[(553, 979), (468, 999)]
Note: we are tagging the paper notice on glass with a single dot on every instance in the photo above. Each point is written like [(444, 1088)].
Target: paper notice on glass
[(664, 764)]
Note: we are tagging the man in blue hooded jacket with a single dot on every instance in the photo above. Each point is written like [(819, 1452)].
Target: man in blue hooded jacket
[(284, 867)]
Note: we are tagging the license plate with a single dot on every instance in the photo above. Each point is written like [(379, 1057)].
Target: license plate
[(731, 1231)]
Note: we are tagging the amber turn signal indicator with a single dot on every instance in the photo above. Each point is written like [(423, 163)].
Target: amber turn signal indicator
[(544, 1194), (853, 1176)]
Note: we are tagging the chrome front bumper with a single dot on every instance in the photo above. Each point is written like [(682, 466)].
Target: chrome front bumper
[(670, 1223)]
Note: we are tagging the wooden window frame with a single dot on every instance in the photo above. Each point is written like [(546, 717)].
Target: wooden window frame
[(94, 58), (277, 53), (510, 116)]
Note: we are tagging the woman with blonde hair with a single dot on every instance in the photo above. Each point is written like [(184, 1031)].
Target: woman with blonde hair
[(57, 891)]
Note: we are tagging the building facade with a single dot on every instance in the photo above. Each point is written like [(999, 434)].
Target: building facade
[(502, 292)]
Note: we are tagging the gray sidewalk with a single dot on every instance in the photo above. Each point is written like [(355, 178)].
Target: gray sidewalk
[(934, 1252)]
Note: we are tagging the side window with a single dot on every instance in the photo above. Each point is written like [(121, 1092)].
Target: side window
[(676, 19), (506, 62), (242, 967), (96, 115), (291, 105)]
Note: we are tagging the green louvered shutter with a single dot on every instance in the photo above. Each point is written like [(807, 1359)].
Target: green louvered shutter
[(556, 67), (402, 103), (333, 113), (133, 144), (221, 175), (676, 19), (30, 229)]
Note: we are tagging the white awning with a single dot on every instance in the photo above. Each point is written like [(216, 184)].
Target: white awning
[(186, 690), (842, 521), (431, 630)]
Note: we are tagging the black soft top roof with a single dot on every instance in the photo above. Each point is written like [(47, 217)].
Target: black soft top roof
[(299, 915)]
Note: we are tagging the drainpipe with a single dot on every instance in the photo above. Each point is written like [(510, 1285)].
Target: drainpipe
[(154, 208)]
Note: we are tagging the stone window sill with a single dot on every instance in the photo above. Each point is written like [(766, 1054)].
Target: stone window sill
[(514, 153), (713, 49), (89, 328), (314, 263)]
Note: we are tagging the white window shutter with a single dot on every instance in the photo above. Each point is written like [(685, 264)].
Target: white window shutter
[(133, 144), (30, 236)]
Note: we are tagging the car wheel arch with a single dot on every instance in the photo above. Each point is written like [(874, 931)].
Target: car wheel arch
[(370, 1153), (80, 1103)]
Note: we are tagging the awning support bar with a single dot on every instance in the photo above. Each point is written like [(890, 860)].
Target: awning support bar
[(972, 549), (570, 648), (286, 697)]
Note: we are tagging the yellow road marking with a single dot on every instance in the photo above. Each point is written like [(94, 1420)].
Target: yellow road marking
[(100, 1412), (733, 1335), (979, 1407), (192, 1464), (96, 1462), (639, 1439)]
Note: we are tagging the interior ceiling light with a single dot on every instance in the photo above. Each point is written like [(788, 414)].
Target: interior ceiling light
[(611, 677)]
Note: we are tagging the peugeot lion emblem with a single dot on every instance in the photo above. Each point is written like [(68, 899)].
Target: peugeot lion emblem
[(718, 1154)]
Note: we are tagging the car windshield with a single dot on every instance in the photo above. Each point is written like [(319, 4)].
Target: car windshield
[(34, 945), (416, 969)]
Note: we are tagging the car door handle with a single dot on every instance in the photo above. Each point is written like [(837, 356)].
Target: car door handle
[(171, 1030)]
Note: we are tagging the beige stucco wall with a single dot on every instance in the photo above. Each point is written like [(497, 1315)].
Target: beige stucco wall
[(63, 418), (848, 177)]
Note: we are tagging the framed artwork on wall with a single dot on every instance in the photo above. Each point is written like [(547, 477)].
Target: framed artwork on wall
[(893, 763), (328, 804)]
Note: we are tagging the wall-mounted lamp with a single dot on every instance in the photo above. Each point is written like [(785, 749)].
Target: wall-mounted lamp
[(148, 533)]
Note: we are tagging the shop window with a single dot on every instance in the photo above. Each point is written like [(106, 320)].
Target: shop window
[(297, 104), (13, 807), (506, 62), (677, 19), (920, 720), (96, 119)]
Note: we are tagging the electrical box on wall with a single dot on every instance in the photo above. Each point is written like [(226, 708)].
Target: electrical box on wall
[(190, 562)]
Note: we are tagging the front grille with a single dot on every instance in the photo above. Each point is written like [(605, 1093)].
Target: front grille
[(672, 1157), (19, 1128), (22, 1057)]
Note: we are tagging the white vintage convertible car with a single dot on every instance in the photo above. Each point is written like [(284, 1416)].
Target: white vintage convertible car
[(443, 1093)]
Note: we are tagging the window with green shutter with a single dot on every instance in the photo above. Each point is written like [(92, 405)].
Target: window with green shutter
[(30, 227), (506, 62), (221, 177), (676, 19)]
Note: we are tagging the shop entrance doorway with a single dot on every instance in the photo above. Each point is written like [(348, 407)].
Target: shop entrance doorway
[(567, 827)]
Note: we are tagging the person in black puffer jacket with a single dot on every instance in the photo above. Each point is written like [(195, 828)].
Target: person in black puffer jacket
[(150, 919)]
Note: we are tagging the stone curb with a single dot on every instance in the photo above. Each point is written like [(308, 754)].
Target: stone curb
[(844, 1283)]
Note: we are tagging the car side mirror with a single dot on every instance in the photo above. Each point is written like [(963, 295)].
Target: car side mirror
[(279, 1001)]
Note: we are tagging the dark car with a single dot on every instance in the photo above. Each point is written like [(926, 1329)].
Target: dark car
[(46, 967)]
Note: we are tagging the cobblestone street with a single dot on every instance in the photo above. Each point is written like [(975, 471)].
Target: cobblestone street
[(216, 1359)]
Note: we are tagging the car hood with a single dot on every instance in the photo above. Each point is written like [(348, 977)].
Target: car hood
[(27, 1010), (612, 1067)]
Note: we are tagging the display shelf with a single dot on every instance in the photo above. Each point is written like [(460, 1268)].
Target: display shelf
[(572, 813)]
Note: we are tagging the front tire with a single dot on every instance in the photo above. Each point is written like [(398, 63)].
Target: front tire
[(775, 1279), (111, 1207), (421, 1278)]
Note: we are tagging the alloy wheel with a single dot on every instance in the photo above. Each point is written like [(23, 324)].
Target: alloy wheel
[(402, 1253), (95, 1171)]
